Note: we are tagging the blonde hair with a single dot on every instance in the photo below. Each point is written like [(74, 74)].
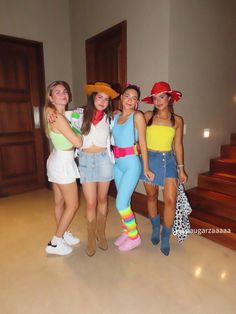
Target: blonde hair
[(49, 104)]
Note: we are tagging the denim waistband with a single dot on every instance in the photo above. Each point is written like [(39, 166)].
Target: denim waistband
[(94, 154), (159, 153)]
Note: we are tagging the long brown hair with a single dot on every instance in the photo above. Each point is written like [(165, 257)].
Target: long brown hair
[(89, 112), (171, 110), (49, 104)]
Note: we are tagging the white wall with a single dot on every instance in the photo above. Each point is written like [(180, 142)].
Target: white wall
[(202, 64), (46, 21)]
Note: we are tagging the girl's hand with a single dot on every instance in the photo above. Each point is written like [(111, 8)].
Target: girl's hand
[(182, 176), (51, 115), (149, 174)]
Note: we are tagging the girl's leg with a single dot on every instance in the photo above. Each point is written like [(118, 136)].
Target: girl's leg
[(102, 195), (59, 202), (90, 194), (59, 209), (127, 184), (102, 199), (126, 187), (170, 193), (152, 198), (118, 176), (69, 193)]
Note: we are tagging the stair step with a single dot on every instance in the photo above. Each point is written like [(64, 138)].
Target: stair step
[(225, 239), (219, 221), (228, 151), (213, 202), (233, 139), (225, 165), (218, 182)]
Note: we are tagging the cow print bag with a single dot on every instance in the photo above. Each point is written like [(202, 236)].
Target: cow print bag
[(181, 227)]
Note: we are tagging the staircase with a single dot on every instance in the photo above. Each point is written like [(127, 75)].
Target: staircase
[(214, 199)]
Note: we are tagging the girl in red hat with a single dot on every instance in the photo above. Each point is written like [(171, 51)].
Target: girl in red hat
[(166, 159)]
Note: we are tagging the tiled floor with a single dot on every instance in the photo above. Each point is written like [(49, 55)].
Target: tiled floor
[(197, 277)]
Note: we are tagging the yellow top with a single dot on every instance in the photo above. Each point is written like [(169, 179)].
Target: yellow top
[(160, 137)]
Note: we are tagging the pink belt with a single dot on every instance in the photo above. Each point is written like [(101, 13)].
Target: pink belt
[(123, 151)]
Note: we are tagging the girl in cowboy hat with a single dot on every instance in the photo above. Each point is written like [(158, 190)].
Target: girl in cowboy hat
[(61, 168), (95, 164), (128, 127), (166, 159)]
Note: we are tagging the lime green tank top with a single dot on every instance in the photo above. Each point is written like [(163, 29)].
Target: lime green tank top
[(59, 141), (160, 137)]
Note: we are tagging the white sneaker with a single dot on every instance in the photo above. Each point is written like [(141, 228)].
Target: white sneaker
[(70, 239), (59, 249)]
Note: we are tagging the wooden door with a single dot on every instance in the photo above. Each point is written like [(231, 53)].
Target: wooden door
[(106, 57), (22, 142)]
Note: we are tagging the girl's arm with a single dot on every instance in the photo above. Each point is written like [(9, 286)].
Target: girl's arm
[(61, 125), (179, 149), (140, 124)]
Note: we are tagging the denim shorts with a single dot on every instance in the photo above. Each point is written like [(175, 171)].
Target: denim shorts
[(95, 167), (163, 165)]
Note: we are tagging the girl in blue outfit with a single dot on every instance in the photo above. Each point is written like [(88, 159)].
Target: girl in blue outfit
[(129, 126), (165, 147)]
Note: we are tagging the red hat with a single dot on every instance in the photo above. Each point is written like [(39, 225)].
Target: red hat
[(162, 87)]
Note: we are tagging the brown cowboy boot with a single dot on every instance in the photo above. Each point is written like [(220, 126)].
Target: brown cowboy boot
[(91, 245), (101, 225)]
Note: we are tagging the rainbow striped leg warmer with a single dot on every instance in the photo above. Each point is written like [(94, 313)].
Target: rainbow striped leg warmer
[(128, 220), (124, 229)]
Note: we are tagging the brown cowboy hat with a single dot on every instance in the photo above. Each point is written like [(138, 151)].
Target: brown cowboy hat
[(101, 87)]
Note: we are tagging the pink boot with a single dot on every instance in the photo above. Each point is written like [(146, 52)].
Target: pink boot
[(129, 244), (121, 239)]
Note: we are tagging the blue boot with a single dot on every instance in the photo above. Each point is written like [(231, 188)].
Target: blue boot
[(155, 221), (165, 240)]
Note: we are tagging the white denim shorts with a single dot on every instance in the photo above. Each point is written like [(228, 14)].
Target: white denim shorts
[(61, 167), (95, 167)]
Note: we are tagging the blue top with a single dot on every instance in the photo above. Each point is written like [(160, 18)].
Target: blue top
[(123, 134)]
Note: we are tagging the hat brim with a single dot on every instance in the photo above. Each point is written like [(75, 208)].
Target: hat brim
[(175, 96), (89, 89)]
